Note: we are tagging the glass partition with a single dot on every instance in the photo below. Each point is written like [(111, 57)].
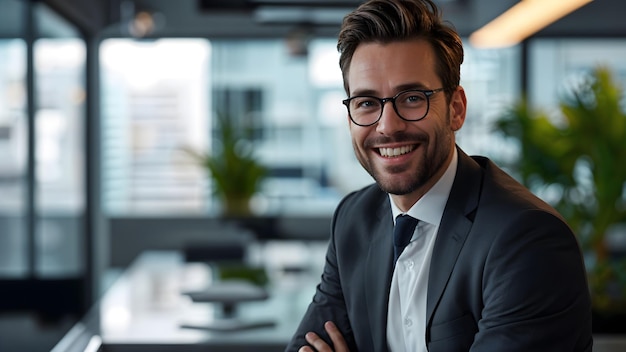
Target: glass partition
[(59, 75), (52, 247)]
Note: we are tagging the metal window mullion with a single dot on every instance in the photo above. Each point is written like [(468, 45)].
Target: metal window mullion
[(31, 183), (92, 260)]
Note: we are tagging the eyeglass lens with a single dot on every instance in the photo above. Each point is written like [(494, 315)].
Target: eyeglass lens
[(410, 105)]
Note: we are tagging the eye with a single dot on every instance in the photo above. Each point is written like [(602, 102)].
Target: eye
[(411, 98), (365, 103)]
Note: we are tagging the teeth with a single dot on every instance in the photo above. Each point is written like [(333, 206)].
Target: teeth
[(391, 152)]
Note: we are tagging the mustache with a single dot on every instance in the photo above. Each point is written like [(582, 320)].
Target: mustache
[(398, 137)]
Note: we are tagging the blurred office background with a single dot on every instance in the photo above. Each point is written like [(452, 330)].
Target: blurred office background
[(99, 98)]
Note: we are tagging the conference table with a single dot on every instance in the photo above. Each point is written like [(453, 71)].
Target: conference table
[(149, 307)]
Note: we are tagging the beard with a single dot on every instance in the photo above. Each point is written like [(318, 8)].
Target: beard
[(410, 178)]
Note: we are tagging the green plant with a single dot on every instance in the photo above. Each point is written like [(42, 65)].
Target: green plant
[(236, 172), (577, 156)]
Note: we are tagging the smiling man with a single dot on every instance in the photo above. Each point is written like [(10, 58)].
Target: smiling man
[(484, 265)]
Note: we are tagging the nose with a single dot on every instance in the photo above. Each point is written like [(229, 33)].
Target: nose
[(390, 122)]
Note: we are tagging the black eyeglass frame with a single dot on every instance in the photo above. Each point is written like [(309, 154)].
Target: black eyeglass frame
[(427, 93)]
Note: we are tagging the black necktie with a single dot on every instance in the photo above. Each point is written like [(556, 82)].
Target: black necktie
[(402, 233)]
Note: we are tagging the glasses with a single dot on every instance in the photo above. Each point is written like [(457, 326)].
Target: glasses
[(410, 105)]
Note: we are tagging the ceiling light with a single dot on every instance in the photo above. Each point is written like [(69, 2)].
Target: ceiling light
[(521, 21)]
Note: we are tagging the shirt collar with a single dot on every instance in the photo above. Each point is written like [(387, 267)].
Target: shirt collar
[(430, 207)]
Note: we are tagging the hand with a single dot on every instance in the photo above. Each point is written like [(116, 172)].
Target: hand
[(320, 345)]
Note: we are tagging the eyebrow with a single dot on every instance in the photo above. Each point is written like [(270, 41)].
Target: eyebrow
[(400, 88)]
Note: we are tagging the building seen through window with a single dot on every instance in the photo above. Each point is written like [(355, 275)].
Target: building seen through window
[(159, 97)]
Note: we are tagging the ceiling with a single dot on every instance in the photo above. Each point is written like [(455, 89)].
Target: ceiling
[(260, 18), (279, 18)]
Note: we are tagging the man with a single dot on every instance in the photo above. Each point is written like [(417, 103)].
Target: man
[(489, 266)]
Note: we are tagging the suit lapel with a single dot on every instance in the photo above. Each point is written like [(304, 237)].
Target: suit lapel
[(378, 275), (455, 225)]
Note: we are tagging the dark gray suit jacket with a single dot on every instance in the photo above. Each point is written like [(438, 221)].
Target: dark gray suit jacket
[(506, 271)]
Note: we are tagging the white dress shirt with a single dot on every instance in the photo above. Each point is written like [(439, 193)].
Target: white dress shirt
[(406, 314)]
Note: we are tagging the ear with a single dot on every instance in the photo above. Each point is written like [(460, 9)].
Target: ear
[(458, 108)]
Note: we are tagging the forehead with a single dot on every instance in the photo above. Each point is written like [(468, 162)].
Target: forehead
[(385, 67)]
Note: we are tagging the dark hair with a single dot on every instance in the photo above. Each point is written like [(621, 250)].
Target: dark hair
[(387, 21)]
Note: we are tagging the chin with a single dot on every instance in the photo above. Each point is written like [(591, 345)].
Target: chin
[(397, 187)]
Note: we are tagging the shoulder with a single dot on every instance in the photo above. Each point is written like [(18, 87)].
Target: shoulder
[(362, 210), (370, 197), (501, 190), (508, 214), (501, 207), (481, 187)]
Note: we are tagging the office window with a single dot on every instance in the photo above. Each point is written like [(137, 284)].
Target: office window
[(293, 104), (491, 81), (51, 247), (13, 239), (557, 63), (59, 155), (243, 105), (302, 121), (154, 104)]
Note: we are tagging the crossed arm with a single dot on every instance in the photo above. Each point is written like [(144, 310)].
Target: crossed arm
[(319, 345), (533, 291)]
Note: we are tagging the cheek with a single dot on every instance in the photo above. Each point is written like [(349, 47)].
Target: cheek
[(445, 120), (357, 140), (354, 134)]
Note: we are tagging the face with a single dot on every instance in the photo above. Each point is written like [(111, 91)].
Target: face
[(406, 158)]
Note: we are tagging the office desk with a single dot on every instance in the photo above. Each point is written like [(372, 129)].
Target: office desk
[(144, 311)]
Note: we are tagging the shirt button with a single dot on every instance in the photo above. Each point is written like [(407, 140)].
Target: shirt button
[(410, 264), (408, 322)]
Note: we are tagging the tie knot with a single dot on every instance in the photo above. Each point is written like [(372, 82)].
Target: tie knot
[(402, 233)]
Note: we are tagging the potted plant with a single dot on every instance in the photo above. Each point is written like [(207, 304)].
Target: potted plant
[(576, 155), (233, 167)]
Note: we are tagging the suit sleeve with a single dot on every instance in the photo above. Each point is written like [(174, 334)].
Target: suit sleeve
[(327, 304), (535, 292)]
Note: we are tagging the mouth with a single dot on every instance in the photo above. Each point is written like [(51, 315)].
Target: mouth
[(395, 152)]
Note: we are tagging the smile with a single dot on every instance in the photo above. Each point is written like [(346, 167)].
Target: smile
[(393, 152)]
